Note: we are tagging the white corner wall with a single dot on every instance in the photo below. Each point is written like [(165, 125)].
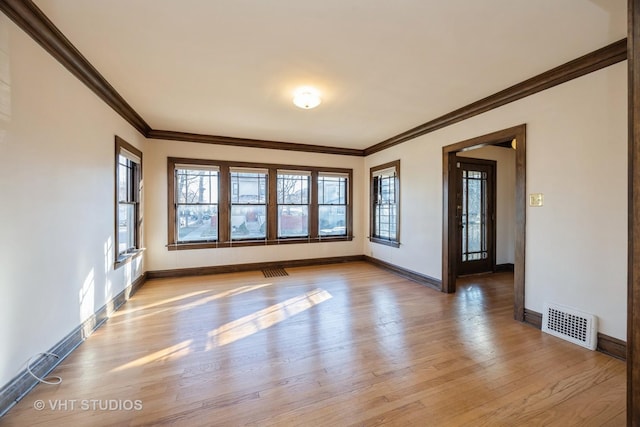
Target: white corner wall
[(57, 192), (505, 198), (155, 164), (576, 244)]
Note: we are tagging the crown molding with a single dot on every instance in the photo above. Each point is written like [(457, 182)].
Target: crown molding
[(35, 23), (253, 143), (596, 60)]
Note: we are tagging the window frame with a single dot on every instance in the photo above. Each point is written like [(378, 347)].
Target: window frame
[(346, 204), (373, 174), (307, 204), (135, 190), (232, 203), (178, 203), (224, 205)]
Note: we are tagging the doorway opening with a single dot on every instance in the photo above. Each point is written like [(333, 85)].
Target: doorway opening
[(451, 230)]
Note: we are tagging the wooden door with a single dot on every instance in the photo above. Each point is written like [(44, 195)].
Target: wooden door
[(475, 214)]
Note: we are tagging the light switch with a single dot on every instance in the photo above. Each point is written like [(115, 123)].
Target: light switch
[(536, 199)]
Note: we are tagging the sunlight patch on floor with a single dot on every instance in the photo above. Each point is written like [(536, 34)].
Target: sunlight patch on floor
[(265, 318), (172, 352), (201, 301)]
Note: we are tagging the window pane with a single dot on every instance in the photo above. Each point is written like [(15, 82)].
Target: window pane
[(385, 208), (293, 189), (197, 223), (386, 220), (332, 190), (248, 187), (293, 221), (126, 227), (248, 222), (387, 189), (332, 220), (197, 186), (123, 181)]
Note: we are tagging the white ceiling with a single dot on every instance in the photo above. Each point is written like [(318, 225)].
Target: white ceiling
[(229, 67)]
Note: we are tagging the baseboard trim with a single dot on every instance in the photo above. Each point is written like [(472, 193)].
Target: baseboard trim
[(607, 345), (23, 383), (407, 274), (533, 318), (236, 268), (505, 267), (612, 347)]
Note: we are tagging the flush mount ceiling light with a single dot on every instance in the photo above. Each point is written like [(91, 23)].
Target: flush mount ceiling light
[(306, 97)]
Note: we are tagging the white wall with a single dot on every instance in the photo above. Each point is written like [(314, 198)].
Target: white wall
[(155, 164), (57, 192), (505, 198), (576, 245)]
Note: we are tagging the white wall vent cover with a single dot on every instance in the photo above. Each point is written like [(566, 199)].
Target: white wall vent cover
[(571, 325)]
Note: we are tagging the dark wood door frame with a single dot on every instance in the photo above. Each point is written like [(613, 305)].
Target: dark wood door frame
[(449, 261), (633, 269)]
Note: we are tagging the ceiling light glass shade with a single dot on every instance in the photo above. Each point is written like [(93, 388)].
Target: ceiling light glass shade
[(306, 98)]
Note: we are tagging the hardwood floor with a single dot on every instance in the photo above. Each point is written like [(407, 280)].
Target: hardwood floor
[(335, 345)]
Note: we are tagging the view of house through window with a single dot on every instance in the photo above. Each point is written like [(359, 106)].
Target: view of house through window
[(332, 204), (293, 204), (222, 204), (248, 204), (197, 203)]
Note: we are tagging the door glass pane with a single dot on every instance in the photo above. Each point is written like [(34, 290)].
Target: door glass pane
[(474, 215), (463, 218)]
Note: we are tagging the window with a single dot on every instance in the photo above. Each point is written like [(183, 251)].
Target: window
[(385, 188), (196, 203), (248, 204), (293, 203), (223, 204), (332, 204), (128, 175)]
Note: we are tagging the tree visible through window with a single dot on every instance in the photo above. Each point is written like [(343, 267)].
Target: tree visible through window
[(197, 203), (222, 204), (332, 204), (293, 204), (248, 204)]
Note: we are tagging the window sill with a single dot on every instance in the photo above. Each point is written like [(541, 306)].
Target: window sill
[(243, 243), (127, 258), (392, 243)]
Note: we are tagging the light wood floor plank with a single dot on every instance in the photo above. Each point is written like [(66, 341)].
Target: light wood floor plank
[(335, 345)]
